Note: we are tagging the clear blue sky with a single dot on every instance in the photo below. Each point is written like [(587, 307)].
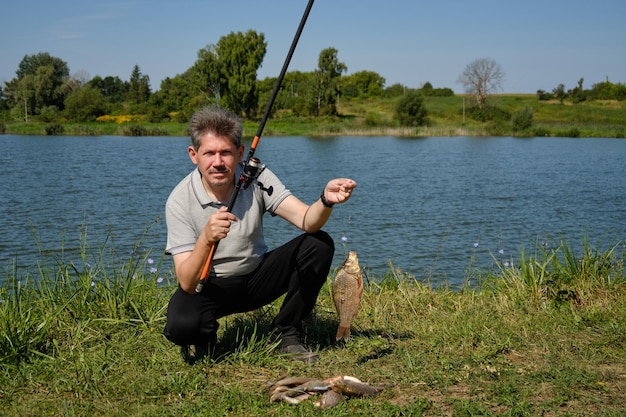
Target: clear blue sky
[(538, 44)]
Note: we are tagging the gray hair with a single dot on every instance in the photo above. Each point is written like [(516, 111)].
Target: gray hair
[(216, 121)]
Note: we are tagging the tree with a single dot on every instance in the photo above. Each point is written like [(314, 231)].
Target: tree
[(21, 97), (85, 104), (206, 73), (139, 88), (395, 90), (368, 83), (329, 69), (30, 63), (40, 82), (559, 92), (428, 90), (410, 110), (294, 94), (113, 89), (76, 81), (178, 96), (606, 90), (480, 78), (3, 101), (239, 56), (578, 93), (543, 95)]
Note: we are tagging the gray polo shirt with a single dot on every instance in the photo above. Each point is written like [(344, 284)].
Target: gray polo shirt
[(189, 207)]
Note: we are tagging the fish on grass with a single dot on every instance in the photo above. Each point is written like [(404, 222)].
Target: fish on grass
[(347, 291), (294, 390)]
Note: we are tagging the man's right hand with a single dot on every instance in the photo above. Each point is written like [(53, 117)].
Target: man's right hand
[(218, 226)]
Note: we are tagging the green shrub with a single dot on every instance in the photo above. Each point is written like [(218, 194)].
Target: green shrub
[(373, 119), (410, 110), (181, 117), (522, 119), (489, 113), (573, 132), (541, 132), (55, 129), (497, 128), (135, 130), (49, 114), (157, 115)]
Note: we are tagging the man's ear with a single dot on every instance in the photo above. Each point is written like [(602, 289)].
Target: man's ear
[(192, 155), (241, 150)]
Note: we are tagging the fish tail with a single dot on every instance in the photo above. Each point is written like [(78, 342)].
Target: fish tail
[(343, 332)]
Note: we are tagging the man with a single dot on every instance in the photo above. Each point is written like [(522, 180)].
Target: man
[(244, 274)]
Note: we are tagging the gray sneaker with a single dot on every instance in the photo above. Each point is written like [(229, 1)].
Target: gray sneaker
[(297, 352)]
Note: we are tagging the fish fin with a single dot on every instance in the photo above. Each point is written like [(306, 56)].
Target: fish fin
[(343, 332)]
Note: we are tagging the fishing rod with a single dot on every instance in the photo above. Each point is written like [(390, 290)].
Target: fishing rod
[(252, 166)]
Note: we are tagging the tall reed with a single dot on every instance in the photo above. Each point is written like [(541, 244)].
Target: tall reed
[(560, 273), (39, 309)]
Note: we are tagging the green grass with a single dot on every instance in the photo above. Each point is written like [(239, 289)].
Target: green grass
[(542, 334), (375, 117)]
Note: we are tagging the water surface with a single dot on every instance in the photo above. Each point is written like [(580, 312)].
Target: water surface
[(433, 207)]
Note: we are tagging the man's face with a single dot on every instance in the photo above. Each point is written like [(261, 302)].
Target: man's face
[(217, 159)]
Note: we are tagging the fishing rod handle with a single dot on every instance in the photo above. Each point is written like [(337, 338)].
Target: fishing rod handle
[(200, 285), (204, 276)]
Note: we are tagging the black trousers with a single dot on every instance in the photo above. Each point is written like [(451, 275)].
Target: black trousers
[(299, 268)]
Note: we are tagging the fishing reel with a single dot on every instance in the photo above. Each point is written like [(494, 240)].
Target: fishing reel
[(250, 174)]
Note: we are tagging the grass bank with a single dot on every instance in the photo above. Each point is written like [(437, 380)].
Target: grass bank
[(542, 334), (446, 117)]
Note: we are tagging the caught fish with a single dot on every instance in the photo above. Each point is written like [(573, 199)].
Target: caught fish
[(314, 386), (329, 399), (347, 291), (290, 397), (356, 389), (294, 390), (290, 381)]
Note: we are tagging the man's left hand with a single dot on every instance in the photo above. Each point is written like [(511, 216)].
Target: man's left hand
[(339, 190)]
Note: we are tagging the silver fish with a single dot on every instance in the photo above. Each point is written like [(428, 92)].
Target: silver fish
[(328, 400), (294, 390), (290, 397), (290, 381), (347, 291), (356, 389)]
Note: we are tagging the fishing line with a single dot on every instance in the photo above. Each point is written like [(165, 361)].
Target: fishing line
[(252, 166)]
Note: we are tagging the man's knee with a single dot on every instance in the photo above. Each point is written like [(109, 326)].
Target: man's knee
[(325, 245), (181, 332), (185, 324), (187, 332), (322, 251)]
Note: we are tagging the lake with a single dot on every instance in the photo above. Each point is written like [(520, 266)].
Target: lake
[(433, 207)]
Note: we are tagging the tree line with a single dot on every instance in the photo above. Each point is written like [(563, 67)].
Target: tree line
[(224, 74), (605, 90)]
